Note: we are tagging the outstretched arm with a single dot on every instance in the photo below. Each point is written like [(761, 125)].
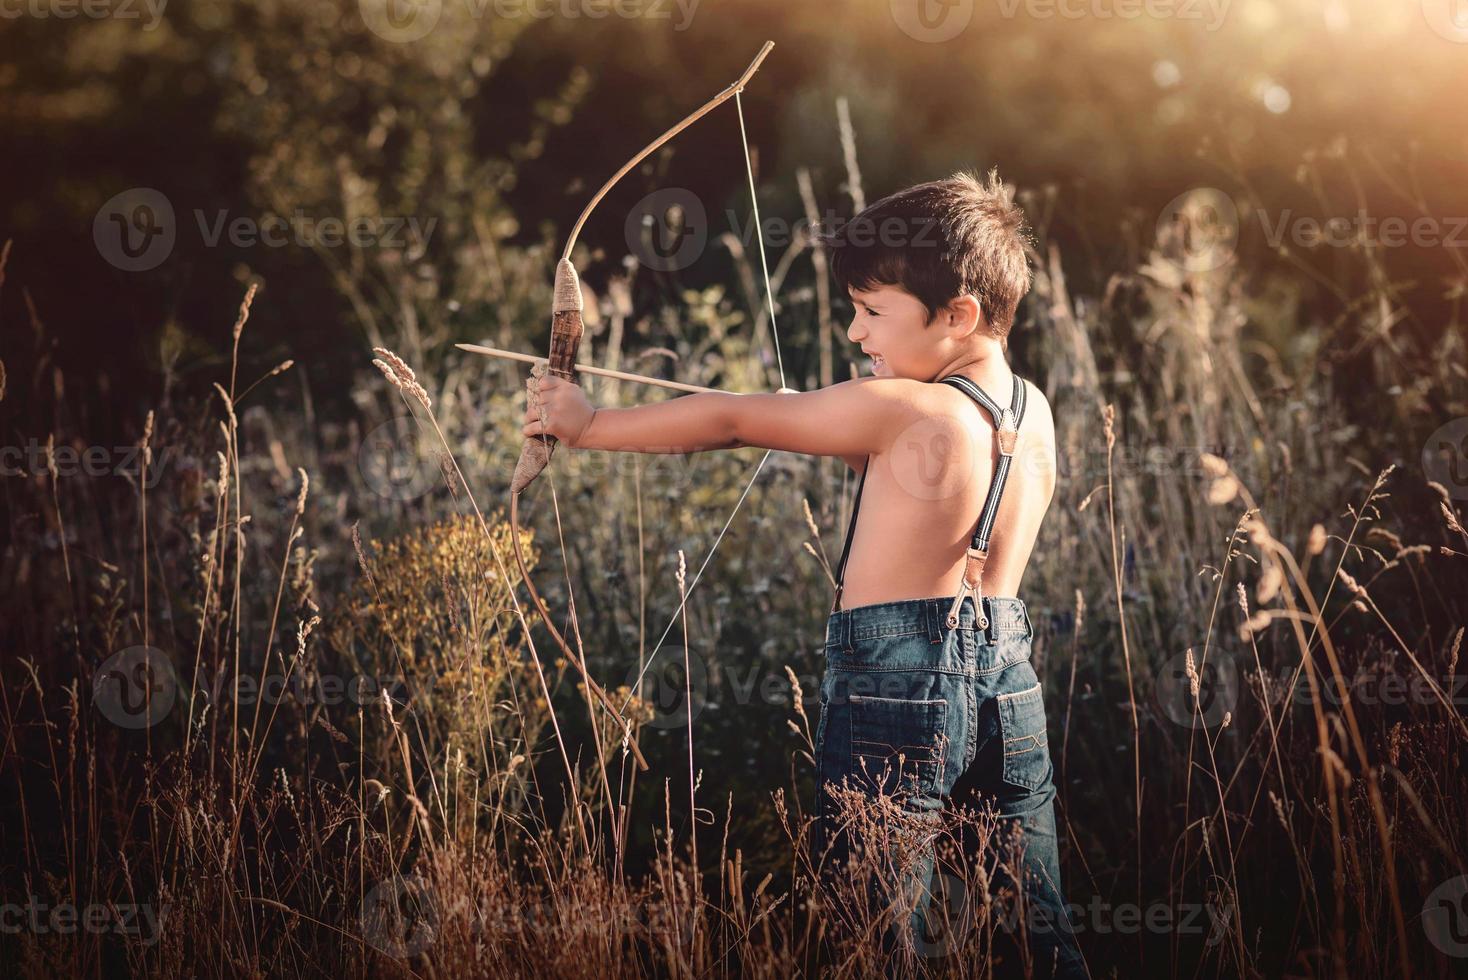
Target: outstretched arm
[(850, 419)]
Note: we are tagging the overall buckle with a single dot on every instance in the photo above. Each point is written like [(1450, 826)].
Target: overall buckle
[(973, 584)]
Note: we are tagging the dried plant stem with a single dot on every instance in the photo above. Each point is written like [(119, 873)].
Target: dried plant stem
[(1109, 419)]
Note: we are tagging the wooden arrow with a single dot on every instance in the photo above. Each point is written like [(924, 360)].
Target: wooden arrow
[(510, 355)]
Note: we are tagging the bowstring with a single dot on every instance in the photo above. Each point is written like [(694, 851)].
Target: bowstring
[(759, 237), (780, 363)]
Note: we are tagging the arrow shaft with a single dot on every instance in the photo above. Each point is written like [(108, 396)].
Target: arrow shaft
[(509, 355)]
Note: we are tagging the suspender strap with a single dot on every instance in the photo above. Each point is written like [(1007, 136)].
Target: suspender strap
[(850, 529), (1006, 424)]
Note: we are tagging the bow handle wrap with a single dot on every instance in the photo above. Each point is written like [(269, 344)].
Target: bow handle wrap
[(566, 328)]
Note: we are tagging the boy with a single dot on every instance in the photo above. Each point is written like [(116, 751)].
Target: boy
[(928, 696)]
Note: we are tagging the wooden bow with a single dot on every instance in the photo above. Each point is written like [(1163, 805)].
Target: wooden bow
[(565, 343)]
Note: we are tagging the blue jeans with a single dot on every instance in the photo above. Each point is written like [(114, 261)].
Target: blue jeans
[(927, 717)]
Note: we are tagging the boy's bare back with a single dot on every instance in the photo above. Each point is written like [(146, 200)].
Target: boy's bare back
[(924, 492)]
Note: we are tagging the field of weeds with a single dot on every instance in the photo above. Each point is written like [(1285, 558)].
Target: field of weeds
[(274, 701)]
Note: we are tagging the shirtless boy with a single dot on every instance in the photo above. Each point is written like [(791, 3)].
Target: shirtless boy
[(928, 695)]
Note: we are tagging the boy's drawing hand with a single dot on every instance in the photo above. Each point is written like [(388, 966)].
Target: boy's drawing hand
[(557, 407)]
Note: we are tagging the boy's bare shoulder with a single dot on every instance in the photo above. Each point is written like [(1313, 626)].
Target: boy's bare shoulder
[(954, 411), (1037, 407), (937, 409), (942, 399)]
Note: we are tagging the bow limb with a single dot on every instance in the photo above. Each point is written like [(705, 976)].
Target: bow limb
[(592, 687), (566, 326), (734, 88), (565, 344), (566, 331)]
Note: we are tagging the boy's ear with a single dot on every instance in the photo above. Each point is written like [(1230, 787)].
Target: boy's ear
[(963, 316)]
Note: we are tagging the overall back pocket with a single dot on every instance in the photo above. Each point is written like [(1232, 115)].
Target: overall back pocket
[(898, 745), (1026, 747)]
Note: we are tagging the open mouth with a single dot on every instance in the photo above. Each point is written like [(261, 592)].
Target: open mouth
[(878, 362)]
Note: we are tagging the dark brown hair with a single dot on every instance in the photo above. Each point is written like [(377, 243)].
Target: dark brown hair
[(938, 241)]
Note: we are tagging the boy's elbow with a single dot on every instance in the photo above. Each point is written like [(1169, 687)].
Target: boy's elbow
[(729, 424)]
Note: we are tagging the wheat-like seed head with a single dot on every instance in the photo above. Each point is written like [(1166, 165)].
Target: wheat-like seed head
[(396, 370), (399, 365), (228, 405), (810, 521), (146, 444), (239, 323), (797, 695)]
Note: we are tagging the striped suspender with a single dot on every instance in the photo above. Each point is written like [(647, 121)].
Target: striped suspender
[(1006, 424), (850, 531)]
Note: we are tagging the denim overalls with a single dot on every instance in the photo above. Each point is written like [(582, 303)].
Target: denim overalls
[(934, 701)]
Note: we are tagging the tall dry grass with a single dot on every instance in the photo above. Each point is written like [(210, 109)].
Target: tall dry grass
[(469, 810)]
